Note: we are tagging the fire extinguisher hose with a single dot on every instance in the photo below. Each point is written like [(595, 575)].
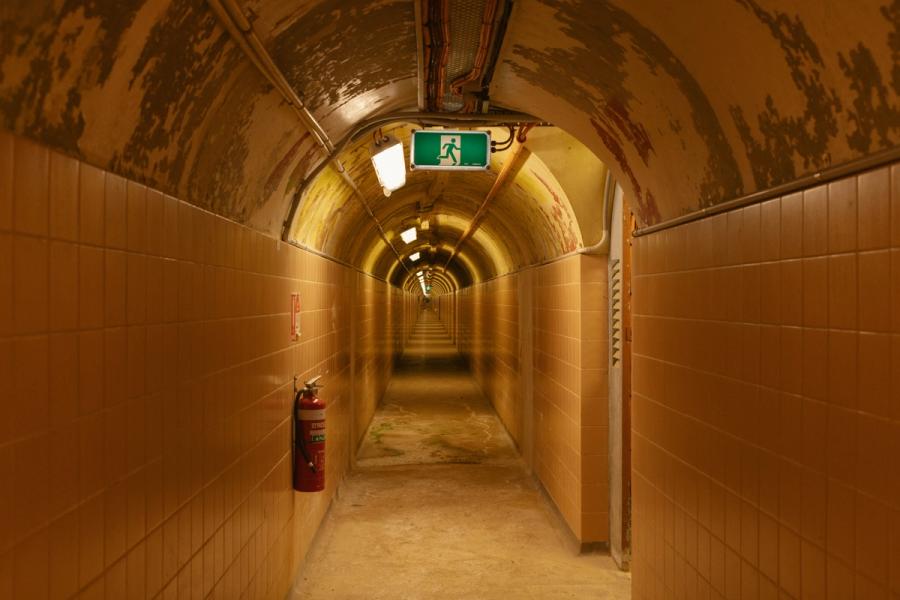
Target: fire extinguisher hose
[(312, 467)]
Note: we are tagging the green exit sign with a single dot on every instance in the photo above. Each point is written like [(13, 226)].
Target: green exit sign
[(445, 150)]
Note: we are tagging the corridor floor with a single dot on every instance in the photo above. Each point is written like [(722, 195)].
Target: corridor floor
[(440, 505)]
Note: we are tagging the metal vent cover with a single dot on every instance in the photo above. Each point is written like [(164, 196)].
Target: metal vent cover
[(615, 310), (466, 18)]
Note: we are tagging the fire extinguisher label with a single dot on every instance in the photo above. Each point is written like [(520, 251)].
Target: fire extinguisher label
[(312, 415), (316, 431)]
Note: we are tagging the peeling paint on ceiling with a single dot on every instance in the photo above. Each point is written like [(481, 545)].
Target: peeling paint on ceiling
[(689, 104)]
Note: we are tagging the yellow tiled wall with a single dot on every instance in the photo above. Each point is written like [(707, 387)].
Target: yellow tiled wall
[(146, 385), (568, 348), (445, 306), (490, 342), (767, 399), (373, 365), (571, 390)]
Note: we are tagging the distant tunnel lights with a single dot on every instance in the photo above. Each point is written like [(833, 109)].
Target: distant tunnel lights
[(421, 278), (414, 256), (409, 236), (390, 165)]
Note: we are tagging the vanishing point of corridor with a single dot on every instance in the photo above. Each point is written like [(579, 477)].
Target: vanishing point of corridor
[(440, 504)]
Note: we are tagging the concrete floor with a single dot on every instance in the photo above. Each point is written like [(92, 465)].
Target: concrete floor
[(441, 506)]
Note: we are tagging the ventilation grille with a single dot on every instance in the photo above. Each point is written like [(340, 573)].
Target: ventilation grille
[(615, 310)]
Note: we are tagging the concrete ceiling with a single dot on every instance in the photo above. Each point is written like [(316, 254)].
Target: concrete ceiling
[(690, 105)]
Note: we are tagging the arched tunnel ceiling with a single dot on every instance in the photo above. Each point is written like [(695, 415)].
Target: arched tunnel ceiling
[(530, 219), (358, 57), (695, 103), (190, 113), (691, 104)]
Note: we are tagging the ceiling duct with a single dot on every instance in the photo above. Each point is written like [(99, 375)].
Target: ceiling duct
[(461, 39), (467, 19)]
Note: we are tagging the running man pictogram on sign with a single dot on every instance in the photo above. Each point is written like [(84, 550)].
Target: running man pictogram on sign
[(449, 148)]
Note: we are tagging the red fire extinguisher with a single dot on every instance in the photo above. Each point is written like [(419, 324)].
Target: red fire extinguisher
[(309, 438)]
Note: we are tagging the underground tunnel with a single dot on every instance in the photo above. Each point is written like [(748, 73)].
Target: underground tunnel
[(647, 346)]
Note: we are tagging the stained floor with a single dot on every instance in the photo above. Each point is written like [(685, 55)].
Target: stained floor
[(440, 506)]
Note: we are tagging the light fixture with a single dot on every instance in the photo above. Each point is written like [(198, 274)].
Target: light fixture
[(389, 163), (409, 236), (414, 256), (421, 278)]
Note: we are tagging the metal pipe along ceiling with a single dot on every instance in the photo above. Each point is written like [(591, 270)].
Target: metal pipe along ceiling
[(234, 21), (507, 174)]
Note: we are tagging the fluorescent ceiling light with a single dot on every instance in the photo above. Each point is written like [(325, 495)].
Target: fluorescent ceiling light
[(421, 277), (390, 166), (414, 256), (409, 236)]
